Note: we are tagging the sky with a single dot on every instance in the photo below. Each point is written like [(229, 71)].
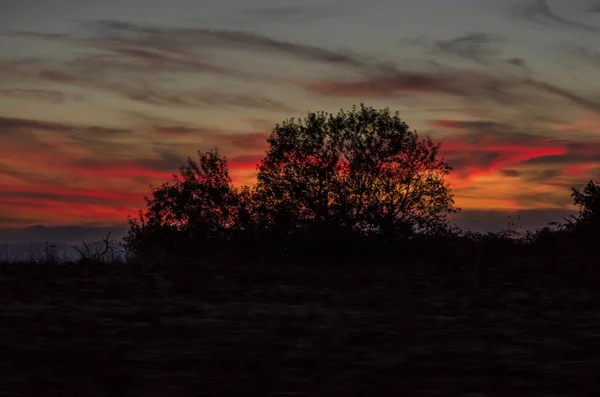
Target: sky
[(100, 99)]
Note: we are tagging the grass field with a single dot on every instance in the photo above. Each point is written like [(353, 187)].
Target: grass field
[(314, 330)]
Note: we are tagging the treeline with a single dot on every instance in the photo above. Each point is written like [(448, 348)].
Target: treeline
[(349, 186)]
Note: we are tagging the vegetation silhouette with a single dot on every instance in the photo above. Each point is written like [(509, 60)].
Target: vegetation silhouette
[(357, 181)]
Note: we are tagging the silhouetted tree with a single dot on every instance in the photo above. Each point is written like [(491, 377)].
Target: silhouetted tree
[(361, 172), (585, 227), (588, 201), (194, 214)]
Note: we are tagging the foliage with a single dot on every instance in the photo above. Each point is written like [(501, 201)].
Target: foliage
[(191, 215), (585, 227), (356, 184), (357, 177), (588, 201), (359, 172)]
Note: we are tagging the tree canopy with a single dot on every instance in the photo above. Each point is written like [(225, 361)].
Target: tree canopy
[(588, 201), (195, 212), (361, 171)]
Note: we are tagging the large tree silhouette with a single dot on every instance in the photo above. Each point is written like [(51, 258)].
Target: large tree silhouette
[(357, 172)]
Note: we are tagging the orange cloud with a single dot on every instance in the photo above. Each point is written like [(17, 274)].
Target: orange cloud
[(486, 156), (583, 169), (56, 212)]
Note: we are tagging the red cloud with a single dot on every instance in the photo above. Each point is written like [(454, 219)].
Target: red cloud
[(123, 171), (245, 163), (484, 147), (583, 169), (56, 212)]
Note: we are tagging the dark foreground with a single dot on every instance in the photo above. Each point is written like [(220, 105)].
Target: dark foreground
[(528, 328)]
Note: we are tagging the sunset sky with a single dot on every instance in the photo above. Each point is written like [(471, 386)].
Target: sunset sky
[(99, 99)]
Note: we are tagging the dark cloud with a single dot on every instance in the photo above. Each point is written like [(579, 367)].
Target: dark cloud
[(166, 61), (252, 141), (179, 130), (467, 161), (558, 159), (179, 46), (511, 173), (129, 56), (544, 175), (27, 175), (519, 62), (185, 39), (467, 84), (539, 11), (392, 83), (10, 125), (59, 76), (249, 141), (586, 103), (477, 47), (51, 96), (93, 73), (478, 126), (585, 54), (166, 160), (41, 35), (577, 152), (195, 98)]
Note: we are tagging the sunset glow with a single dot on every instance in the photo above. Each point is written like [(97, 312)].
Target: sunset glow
[(99, 100)]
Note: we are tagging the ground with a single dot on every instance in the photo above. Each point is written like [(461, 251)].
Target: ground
[(245, 329)]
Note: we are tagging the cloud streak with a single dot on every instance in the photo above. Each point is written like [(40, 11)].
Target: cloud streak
[(183, 39), (539, 11), (483, 148), (587, 55), (9, 125), (476, 46), (94, 73), (467, 84), (161, 96), (51, 96), (174, 48)]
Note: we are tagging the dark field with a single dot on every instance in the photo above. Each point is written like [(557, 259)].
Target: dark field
[(527, 328)]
